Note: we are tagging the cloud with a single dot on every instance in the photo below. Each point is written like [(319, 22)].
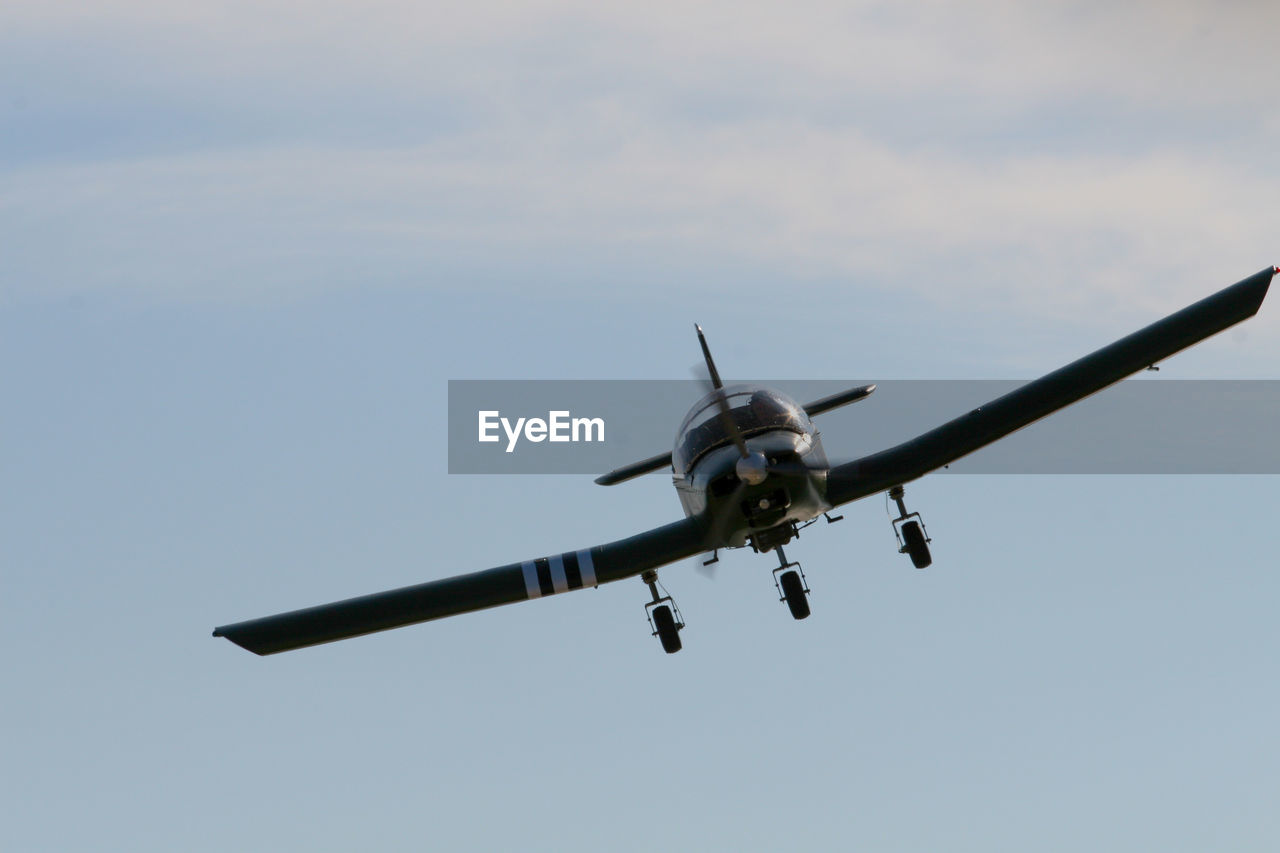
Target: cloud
[(817, 203), (1055, 157), (1173, 52)]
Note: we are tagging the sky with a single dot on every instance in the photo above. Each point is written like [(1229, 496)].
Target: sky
[(244, 247)]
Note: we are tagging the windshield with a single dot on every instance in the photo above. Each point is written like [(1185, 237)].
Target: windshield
[(753, 410)]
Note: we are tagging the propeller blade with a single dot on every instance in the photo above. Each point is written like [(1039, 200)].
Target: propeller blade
[(706, 355), (720, 520), (722, 403), (793, 468), (731, 428)]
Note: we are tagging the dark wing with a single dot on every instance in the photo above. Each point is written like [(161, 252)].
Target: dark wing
[(464, 593), (1046, 395)]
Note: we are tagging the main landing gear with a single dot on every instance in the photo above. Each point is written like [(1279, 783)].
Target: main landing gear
[(788, 577), (793, 587), (913, 538), (664, 616)]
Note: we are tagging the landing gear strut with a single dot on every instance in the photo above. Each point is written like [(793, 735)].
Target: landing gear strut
[(793, 587), (913, 538), (664, 617)]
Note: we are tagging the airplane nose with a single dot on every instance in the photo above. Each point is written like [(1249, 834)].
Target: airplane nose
[(752, 469)]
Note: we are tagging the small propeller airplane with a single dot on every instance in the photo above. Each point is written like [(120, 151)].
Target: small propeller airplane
[(749, 468)]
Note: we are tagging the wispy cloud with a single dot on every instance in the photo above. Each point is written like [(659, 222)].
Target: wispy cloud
[(248, 148)]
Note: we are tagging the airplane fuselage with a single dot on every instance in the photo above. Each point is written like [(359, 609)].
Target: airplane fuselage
[(759, 497)]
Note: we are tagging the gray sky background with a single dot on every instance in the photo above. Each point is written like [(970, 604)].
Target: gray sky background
[(244, 247)]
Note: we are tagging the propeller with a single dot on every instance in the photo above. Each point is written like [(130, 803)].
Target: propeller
[(722, 403), (752, 467)]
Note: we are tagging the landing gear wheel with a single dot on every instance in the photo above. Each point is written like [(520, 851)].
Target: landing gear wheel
[(668, 633), (793, 592), (917, 547), (909, 528)]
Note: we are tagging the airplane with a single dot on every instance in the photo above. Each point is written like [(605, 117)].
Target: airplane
[(750, 470)]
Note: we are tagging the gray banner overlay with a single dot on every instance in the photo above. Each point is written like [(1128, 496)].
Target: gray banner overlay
[(1140, 426)]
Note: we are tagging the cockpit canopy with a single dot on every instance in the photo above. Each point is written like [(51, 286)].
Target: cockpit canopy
[(754, 410)]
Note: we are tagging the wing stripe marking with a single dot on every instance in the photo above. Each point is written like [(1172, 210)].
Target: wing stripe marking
[(588, 568), (558, 579), (571, 571), (544, 576), (531, 587)]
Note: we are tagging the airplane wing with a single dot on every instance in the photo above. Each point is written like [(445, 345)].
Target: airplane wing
[(1048, 394), (461, 594)]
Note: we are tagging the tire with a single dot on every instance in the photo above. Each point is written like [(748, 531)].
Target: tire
[(668, 633), (793, 591), (917, 547)]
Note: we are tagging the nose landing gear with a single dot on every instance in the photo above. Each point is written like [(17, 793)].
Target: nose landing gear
[(913, 538), (665, 621), (793, 587)]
